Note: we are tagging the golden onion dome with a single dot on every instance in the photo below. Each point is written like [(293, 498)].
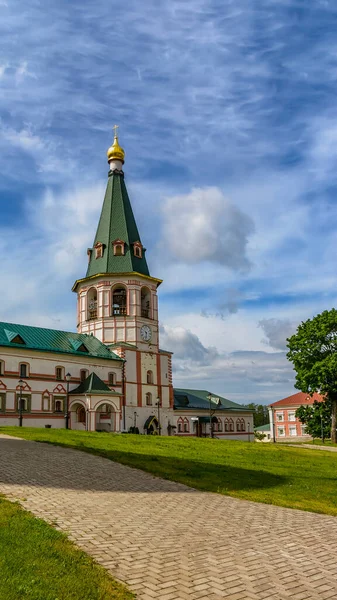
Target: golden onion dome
[(116, 152)]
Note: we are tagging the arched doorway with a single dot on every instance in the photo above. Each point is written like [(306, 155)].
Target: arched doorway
[(105, 417), (78, 416), (151, 425)]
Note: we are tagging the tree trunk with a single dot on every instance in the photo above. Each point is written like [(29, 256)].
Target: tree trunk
[(333, 418)]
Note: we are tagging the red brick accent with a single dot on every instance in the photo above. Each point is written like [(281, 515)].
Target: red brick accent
[(139, 377)]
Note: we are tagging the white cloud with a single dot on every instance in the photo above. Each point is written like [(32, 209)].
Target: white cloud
[(205, 226), (277, 331)]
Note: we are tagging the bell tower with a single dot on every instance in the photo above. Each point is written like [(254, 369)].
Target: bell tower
[(117, 299)]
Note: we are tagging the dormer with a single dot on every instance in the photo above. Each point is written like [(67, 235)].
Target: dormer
[(118, 247), (138, 249), (99, 247)]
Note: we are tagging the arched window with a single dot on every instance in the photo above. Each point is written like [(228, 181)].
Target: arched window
[(59, 373), (219, 425), (2, 367), (229, 424), (186, 425), (58, 406), (148, 399), (180, 424), (119, 247), (24, 370), (92, 304), (119, 301), (240, 425), (98, 250), (45, 401), (149, 377), (138, 249), (112, 379), (145, 297), (83, 374)]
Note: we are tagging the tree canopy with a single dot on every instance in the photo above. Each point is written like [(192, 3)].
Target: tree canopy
[(313, 352), (317, 418)]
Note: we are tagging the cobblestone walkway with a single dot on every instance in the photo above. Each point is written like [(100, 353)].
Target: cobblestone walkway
[(167, 541)]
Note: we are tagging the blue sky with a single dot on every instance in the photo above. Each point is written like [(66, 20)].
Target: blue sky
[(228, 116)]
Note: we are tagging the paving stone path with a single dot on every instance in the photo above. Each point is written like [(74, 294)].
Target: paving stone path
[(167, 541)]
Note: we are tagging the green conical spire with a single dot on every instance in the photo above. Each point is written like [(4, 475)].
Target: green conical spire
[(117, 222)]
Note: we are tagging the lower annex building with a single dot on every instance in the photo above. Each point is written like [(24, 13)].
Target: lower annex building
[(112, 374)]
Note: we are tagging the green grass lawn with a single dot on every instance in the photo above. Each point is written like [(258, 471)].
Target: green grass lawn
[(39, 563), (270, 473)]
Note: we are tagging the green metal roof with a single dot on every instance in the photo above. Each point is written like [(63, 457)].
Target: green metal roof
[(117, 222), (263, 427), (185, 399), (93, 385), (53, 340)]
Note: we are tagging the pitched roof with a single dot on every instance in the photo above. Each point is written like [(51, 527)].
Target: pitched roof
[(263, 427), (186, 399), (53, 340), (117, 222), (297, 400), (93, 385)]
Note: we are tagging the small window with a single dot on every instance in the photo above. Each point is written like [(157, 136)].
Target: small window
[(23, 370), (25, 403), (98, 250), (119, 302), (279, 416), (180, 428), (280, 431), (118, 246), (138, 249), (148, 399), (83, 375), (149, 377), (185, 427), (112, 378), (45, 402), (292, 430), (2, 403), (2, 367), (219, 425), (59, 372), (291, 415), (58, 406)]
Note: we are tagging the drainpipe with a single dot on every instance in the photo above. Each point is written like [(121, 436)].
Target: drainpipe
[(123, 395)]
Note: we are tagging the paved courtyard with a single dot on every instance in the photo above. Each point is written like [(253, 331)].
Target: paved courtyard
[(167, 541)]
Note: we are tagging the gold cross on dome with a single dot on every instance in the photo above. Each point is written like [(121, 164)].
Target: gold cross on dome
[(115, 127)]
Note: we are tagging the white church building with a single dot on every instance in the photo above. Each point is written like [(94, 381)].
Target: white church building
[(112, 374)]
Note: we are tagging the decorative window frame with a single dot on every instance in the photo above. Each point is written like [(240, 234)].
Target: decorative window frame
[(279, 416), (83, 377), (112, 379), (120, 311), (292, 427), (219, 425), (61, 399), (292, 416), (62, 373), (99, 248), (186, 425), (2, 402), (148, 399), (138, 249), (118, 244), (45, 398), (27, 365), (278, 431), (149, 377), (240, 424), (28, 402)]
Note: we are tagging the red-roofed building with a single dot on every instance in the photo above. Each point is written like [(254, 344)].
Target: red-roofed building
[(283, 423)]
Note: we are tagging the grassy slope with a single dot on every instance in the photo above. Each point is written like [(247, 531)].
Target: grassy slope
[(270, 473), (39, 563)]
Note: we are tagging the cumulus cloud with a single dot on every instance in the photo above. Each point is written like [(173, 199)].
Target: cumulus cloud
[(206, 226), (277, 331), (242, 376)]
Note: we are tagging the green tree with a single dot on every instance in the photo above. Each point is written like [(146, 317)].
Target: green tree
[(260, 414), (317, 419), (313, 352)]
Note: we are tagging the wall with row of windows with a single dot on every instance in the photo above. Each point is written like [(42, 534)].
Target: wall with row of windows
[(10, 402), (24, 372), (285, 415), (287, 430), (227, 425)]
